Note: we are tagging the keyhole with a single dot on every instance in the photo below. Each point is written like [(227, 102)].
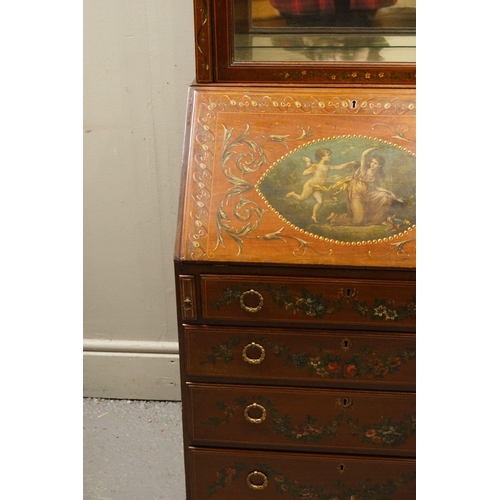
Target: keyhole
[(341, 468), (346, 344), (348, 292), (354, 104), (344, 403)]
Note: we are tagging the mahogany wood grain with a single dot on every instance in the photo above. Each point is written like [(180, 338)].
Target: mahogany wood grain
[(320, 358), (222, 475), (333, 421)]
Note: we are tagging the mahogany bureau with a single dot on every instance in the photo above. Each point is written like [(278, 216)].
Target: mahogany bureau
[(295, 253), (295, 275)]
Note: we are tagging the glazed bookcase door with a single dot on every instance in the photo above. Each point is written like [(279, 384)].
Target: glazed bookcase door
[(229, 49)]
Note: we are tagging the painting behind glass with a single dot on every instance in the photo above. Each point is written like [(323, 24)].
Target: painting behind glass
[(325, 30)]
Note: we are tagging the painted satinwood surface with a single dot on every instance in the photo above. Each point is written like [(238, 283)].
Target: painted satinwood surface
[(301, 176)]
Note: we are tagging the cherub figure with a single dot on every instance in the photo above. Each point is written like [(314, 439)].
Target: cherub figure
[(315, 185)]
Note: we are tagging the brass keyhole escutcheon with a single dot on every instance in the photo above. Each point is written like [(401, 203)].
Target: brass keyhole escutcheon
[(251, 412), (344, 403), (250, 353), (257, 480), (345, 344), (254, 301), (188, 304), (348, 293)]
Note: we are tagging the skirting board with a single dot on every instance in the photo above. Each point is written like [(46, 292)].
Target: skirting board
[(131, 370)]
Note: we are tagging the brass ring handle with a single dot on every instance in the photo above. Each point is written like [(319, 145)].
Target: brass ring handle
[(253, 420), (254, 475), (254, 361), (249, 308)]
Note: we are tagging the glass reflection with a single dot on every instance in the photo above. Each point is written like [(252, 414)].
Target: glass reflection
[(341, 48), (325, 30), (333, 13), (329, 12)]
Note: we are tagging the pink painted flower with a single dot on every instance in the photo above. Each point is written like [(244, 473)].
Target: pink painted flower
[(350, 370)]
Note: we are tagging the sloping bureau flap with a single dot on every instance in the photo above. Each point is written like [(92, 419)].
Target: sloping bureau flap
[(300, 176)]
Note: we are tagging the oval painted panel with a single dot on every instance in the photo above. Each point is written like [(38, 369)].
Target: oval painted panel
[(344, 189)]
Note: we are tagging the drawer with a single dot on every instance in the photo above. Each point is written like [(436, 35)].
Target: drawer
[(304, 357), (275, 299), (243, 475), (358, 422)]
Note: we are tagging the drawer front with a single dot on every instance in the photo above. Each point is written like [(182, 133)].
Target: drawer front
[(324, 420), (305, 357), (308, 301), (230, 475)]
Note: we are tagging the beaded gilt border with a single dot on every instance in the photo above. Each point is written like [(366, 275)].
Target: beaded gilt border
[(397, 235)]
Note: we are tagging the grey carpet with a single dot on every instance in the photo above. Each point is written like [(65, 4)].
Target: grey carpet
[(132, 450)]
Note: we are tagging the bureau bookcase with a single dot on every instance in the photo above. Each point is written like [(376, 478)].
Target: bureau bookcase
[(295, 274)]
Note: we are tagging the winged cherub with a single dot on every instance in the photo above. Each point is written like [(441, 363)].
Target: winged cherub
[(314, 186)]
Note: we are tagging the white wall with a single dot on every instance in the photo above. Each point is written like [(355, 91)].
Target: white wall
[(138, 64)]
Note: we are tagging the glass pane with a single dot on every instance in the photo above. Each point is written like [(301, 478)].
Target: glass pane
[(325, 30)]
